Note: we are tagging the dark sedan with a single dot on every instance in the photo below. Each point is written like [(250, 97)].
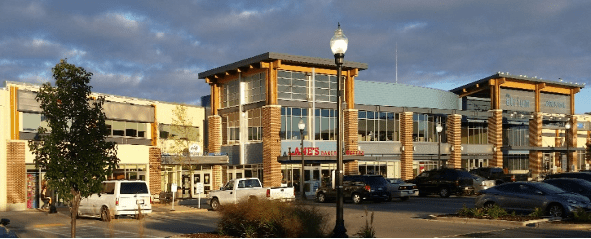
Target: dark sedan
[(531, 195), (572, 185)]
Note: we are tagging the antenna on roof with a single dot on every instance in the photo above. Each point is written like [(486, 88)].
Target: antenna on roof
[(396, 62)]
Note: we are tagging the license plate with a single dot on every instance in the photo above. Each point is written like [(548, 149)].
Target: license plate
[(140, 201)]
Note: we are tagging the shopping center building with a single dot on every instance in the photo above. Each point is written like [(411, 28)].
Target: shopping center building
[(146, 132), (518, 123)]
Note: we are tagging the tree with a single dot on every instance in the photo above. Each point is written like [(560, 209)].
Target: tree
[(73, 149)]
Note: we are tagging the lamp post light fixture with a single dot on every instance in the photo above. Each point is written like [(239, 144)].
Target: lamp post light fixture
[(302, 126), (338, 45), (439, 128), (566, 139)]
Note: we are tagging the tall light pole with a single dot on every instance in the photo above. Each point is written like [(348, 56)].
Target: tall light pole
[(302, 126), (566, 139), (338, 45), (439, 128)]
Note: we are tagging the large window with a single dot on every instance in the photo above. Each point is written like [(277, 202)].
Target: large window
[(175, 131), (230, 128), (516, 162), (230, 93), (474, 133), (32, 121), (325, 87), (516, 135), (325, 120), (425, 128), (378, 126), (254, 88), (126, 129), (255, 127), (292, 85), (290, 117)]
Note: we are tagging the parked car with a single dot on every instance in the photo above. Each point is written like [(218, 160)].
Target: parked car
[(240, 189), (444, 181), (400, 189), (528, 196), (358, 188), (481, 183), (581, 175), (497, 174), (573, 185), (118, 198)]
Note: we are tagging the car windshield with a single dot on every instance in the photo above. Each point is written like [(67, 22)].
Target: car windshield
[(376, 180), (133, 188), (547, 188), (395, 180), (477, 177), (496, 170), (464, 174)]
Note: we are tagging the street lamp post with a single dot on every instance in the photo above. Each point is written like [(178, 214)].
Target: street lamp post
[(566, 139), (302, 126), (439, 128), (338, 45)]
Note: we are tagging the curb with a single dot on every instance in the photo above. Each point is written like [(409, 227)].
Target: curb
[(545, 223)]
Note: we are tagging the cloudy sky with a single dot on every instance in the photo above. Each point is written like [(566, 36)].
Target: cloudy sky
[(155, 49)]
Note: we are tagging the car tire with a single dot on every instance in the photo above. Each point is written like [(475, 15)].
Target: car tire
[(105, 214), (555, 210), (356, 198), (444, 192), (390, 198), (404, 198), (215, 204), (488, 205), (321, 198)]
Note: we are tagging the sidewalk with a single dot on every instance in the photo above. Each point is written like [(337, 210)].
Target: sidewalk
[(182, 205)]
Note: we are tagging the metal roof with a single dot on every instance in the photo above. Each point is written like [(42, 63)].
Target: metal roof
[(285, 58), (517, 77)]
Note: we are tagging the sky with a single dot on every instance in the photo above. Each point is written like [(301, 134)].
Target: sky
[(156, 49)]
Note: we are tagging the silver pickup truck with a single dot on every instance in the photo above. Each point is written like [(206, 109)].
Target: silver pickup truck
[(240, 189)]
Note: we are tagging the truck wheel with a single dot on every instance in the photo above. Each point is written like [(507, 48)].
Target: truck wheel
[(444, 192), (321, 198), (215, 204), (105, 214), (356, 198)]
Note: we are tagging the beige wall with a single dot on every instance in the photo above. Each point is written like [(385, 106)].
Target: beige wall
[(165, 115), (4, 136)]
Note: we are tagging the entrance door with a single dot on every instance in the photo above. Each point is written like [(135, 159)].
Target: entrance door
[(196, 179), (311, 180)]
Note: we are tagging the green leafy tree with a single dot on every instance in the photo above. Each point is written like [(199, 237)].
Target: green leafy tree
[(183, 135), (73, 149)]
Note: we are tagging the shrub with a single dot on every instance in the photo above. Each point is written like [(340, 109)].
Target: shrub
[(538, 212), (496, 212), (471, 212), (264, 218), (368, 231), (581, 215)]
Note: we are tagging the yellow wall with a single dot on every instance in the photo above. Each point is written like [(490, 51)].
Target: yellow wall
[(4, 136), (165, 115)]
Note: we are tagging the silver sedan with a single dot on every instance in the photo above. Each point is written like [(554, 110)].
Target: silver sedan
[(528, 196), (400, 189)]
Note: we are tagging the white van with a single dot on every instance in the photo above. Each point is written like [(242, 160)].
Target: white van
[(118, 198)]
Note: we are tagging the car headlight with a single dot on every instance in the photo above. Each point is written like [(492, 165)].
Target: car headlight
[(572, 201)]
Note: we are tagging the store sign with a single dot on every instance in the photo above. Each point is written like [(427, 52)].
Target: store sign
[(518, 100), (554, 103), (315, 151)]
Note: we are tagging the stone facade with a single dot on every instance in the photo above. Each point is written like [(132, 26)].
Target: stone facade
[(155, 180), (214, 127), (495, 137), (218, 177), (16, 175), (406, 157), (454, 139), (351, 144), (271, 145), (535, 140)]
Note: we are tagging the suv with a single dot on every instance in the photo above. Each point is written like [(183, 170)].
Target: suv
[(444, 181), (581, 175), (357, 188), (497, 174), (118, 198)]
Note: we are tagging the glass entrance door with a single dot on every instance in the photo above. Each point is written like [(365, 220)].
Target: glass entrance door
[(311, 179)]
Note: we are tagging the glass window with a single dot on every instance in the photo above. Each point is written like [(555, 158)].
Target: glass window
[(229, 93), (425, 128), (290, 118), (474, 133), (255, 88), (292, 85), (378, 126), (255, 127), (325, 120)]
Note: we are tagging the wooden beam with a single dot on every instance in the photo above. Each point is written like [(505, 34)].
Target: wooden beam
[(265, 65), (556, 90), (309, 69)]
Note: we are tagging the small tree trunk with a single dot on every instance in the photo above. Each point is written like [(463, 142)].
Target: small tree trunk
[(74, 211)]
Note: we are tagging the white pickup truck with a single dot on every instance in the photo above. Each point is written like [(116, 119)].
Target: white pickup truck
[(240, 189)]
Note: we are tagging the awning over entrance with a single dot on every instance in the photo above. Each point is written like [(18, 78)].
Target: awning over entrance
[(544, 149), (297, 159), (175, 160)]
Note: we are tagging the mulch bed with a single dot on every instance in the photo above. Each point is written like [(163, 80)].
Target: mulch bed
[(202, 235)]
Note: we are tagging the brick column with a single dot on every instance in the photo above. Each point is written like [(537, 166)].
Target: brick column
[(351, 144), (214, 127), (271, 145), (16, 174), (535, 140), (557, 143), (406, 156), (218, 177), (155, 175), (454, 139), (495, 137), (572, 144)]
